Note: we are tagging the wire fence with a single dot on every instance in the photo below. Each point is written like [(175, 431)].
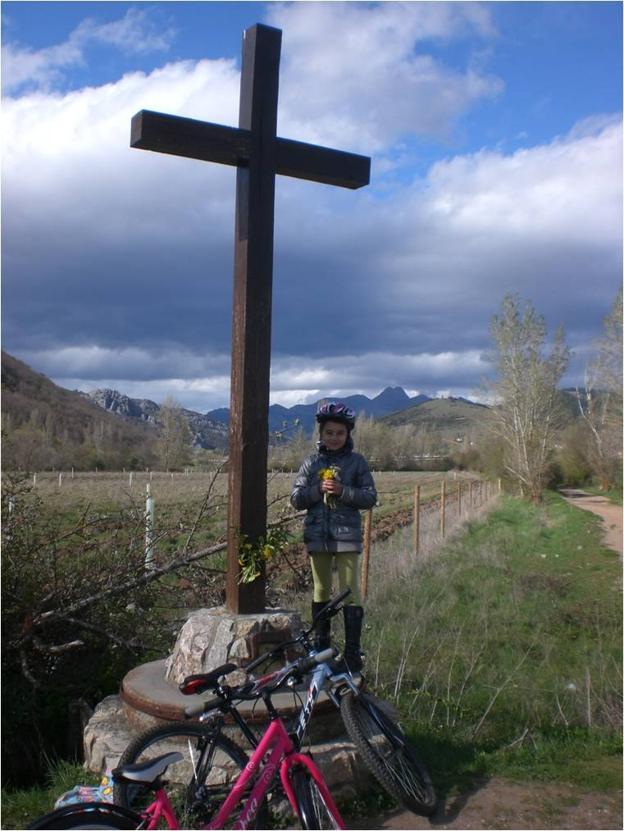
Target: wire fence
[(433, 520)]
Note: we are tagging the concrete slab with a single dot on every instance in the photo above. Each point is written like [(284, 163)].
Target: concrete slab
[(148, 699)]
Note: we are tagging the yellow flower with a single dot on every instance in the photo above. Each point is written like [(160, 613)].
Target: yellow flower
[(324, 473)]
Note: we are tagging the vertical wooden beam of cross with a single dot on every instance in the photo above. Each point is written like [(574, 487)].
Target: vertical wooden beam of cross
[(259, 154)]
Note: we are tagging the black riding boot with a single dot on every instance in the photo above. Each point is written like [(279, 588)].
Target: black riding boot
[(353, 616), (323, 627)]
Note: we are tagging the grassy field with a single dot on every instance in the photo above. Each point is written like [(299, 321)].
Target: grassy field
[(180, 499), (503, 650)]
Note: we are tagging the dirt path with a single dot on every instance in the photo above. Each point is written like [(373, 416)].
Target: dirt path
[(610, 513), (502, 804)]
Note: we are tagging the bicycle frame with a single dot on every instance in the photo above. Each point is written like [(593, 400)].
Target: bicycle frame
[(318, 681), (283, 756)]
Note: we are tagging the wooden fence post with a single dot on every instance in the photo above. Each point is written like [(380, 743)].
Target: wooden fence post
[(416, 520), (443, 509), (459, 501), (368, 518)]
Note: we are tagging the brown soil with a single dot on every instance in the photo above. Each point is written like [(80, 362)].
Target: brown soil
[(600, 505), (502, 804)]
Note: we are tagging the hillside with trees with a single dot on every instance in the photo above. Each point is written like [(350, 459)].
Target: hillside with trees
[(45, 427)]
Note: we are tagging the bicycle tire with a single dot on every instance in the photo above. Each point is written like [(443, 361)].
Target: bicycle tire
[(313, 812), (89, 815), (196, 793), (388, 753)]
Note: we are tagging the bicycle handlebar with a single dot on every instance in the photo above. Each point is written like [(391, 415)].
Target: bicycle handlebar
[(250, 692), (331, 605), (328, 610)]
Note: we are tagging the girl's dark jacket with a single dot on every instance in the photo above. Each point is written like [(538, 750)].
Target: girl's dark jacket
[(337, 528)]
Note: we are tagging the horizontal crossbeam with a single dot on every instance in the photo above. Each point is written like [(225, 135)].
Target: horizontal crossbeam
[(208, 142)]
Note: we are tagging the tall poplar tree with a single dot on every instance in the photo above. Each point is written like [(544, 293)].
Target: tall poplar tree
[(528, 413)]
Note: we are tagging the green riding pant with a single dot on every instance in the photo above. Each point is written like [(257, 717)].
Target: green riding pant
[(346, 563)]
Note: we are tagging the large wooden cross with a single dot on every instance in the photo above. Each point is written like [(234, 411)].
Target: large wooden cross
[(258, 154)]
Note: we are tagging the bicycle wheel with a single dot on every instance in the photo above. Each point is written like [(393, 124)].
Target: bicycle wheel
[(89, 816), (388, 754), (197, 785), (313, 811)]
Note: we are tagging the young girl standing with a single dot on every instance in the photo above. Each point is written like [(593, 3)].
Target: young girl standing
[(334, 485)]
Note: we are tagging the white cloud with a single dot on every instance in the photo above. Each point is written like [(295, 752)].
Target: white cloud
[(537, 192), (45, 68), (69, 171), (366, 73)]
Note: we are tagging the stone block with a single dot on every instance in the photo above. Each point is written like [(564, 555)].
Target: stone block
[(212, 637)]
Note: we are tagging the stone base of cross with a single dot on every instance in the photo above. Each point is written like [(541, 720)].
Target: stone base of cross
[(258, 154)]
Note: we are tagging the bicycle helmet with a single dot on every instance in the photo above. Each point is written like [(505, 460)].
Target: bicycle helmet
[(336, 411)]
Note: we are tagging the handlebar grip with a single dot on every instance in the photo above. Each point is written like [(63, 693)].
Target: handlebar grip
[(326, 655)]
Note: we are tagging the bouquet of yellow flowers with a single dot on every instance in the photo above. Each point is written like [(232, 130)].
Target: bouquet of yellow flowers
[(332, 472)]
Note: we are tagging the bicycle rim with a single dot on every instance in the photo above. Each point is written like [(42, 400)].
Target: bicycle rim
[(388, 754), (197, 785), (313, 811)]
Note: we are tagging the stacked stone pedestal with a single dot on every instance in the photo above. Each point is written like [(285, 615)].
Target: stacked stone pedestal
[(149, 694)]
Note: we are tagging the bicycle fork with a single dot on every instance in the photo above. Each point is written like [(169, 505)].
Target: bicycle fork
[(306, 761)]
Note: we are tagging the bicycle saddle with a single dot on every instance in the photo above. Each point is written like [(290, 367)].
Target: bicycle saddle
[(196, 684), (146, 772)]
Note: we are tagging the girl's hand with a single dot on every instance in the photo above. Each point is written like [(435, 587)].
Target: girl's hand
[(331, 486)]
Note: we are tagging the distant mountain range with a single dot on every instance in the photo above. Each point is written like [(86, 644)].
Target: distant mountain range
[(207, 433), (26, 388), (211, 430), (388, 401)]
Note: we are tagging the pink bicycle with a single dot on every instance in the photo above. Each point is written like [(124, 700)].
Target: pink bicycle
[(275, 754)]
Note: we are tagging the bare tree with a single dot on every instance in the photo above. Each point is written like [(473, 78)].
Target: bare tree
[(175, 437), (600, 403), (528, 415)]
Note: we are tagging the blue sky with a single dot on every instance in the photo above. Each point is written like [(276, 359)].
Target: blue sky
[(495, 135)]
